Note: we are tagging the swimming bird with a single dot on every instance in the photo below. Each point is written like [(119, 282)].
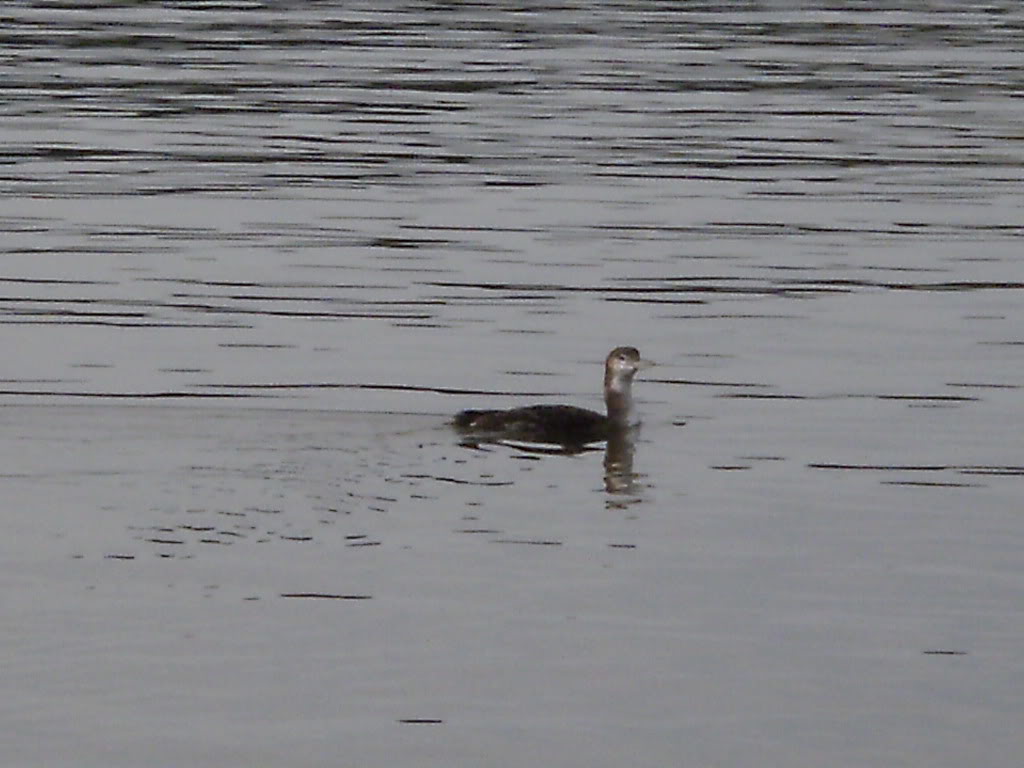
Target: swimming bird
[(565, 425)]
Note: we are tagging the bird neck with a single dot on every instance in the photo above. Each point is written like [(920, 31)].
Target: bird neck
[(618, 398)]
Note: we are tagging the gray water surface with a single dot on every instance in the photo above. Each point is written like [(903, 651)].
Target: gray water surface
[(255, 256)]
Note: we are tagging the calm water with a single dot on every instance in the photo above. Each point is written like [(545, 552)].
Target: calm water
[(254, 254)]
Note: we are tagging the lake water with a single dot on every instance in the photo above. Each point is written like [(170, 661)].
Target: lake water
[(255, 255)]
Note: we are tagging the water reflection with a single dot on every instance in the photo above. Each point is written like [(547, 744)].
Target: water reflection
[(620, 448), (619, 477), (459, 175)]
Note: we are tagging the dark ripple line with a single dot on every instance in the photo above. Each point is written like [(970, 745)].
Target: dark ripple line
[(706, 383), (941, 398), (555, 288), (456, 481), (996, 470), (849, 396), (129, 395), (269, 284), (214, 309), (298, 299), (326, 596), (884, 467), (384, 387), (72, 313), (993, 471), (113, 324), (421, 721), (924, 484), (53, 281), (529, 542), (981, 385), (764, 396)]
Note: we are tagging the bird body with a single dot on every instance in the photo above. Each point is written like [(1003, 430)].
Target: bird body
[(564, 424)]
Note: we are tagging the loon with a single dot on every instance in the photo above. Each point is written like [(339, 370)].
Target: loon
[(565, 425)]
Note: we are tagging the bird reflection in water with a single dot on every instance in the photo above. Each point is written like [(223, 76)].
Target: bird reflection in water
[(619, 476), (619, 449)]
